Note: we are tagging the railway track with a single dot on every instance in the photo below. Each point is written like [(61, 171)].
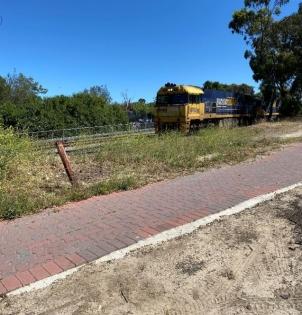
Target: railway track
[(88, 143)]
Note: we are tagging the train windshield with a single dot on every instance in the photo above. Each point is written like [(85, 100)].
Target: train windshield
[(172, 99)]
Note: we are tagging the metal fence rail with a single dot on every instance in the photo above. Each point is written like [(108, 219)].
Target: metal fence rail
[(72, 134), (86, 138)]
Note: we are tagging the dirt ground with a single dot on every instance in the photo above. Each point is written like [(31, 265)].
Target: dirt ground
[(284, 129), (249, 263)]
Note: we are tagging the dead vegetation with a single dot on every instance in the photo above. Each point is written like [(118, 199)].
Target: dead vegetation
[(281, 128)]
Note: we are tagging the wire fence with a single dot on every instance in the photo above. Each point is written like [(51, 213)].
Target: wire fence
[(72, 134), (86, 139)]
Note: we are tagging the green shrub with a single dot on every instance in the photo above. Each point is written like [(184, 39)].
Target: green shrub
[(19, 175), (13, 150)]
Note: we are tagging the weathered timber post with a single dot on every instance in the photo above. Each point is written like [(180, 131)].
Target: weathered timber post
[(66, 162)]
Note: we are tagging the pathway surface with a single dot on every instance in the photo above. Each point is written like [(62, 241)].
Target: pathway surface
[(38, 246)]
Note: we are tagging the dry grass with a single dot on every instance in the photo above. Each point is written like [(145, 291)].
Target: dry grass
[(150, 158), (31, 180)]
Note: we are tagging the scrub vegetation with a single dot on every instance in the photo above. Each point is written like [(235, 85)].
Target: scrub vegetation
[(23, 108), (32, 179)]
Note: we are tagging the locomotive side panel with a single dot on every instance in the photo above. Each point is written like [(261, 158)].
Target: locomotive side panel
[(186, 107)]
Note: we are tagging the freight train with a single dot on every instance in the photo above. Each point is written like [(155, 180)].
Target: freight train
[(187, 107)]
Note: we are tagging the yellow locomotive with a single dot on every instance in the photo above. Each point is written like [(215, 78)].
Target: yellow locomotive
[(186, 107)]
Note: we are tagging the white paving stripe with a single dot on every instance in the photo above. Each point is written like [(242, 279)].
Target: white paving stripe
[(159, 238)]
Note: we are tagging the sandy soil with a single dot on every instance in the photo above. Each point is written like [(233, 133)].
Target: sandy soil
[(297, 134), (284, 129), (249, 263)]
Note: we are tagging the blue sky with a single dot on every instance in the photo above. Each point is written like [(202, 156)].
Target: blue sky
[(128, 45)]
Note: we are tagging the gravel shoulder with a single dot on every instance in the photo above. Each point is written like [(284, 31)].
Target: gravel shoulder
[(250, 263)]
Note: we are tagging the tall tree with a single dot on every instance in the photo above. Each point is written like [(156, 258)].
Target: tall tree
[(126, 99), (235, 88), (4, 90), (22, 89), (99, 91), (270, 45), (289, 43)]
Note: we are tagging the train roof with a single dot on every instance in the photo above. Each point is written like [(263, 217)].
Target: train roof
[(173, 88)]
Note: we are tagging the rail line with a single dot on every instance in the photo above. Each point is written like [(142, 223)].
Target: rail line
[(91, 144), (87, 139)]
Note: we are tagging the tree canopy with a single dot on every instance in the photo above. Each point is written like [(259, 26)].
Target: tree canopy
[(274, 50), (236, 88), (23, 107)]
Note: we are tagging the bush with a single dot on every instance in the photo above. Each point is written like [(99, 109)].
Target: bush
[(23, 108), (19, 175), (79, 110), (291, 106), (14, 150)]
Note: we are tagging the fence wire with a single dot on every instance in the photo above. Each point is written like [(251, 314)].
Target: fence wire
[(86, 136)]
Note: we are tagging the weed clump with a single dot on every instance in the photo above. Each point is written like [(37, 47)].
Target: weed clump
[(18, 185)]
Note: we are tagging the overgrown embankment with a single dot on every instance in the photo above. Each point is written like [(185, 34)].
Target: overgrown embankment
[(31, 179)]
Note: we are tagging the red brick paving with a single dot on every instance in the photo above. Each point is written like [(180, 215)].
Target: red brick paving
[(25, 277), (52, 268), (37, 246), (11, 283), (39, 272)]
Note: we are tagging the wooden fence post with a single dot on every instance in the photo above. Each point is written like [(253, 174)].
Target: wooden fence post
[(66, 162)]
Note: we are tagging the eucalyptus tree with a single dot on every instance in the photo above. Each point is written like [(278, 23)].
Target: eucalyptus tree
[(274, 45)]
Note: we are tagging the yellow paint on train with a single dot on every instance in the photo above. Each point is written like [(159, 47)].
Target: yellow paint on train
[(181, 107)]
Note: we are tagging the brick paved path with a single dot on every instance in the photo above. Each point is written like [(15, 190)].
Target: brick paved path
[(37, 246)]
